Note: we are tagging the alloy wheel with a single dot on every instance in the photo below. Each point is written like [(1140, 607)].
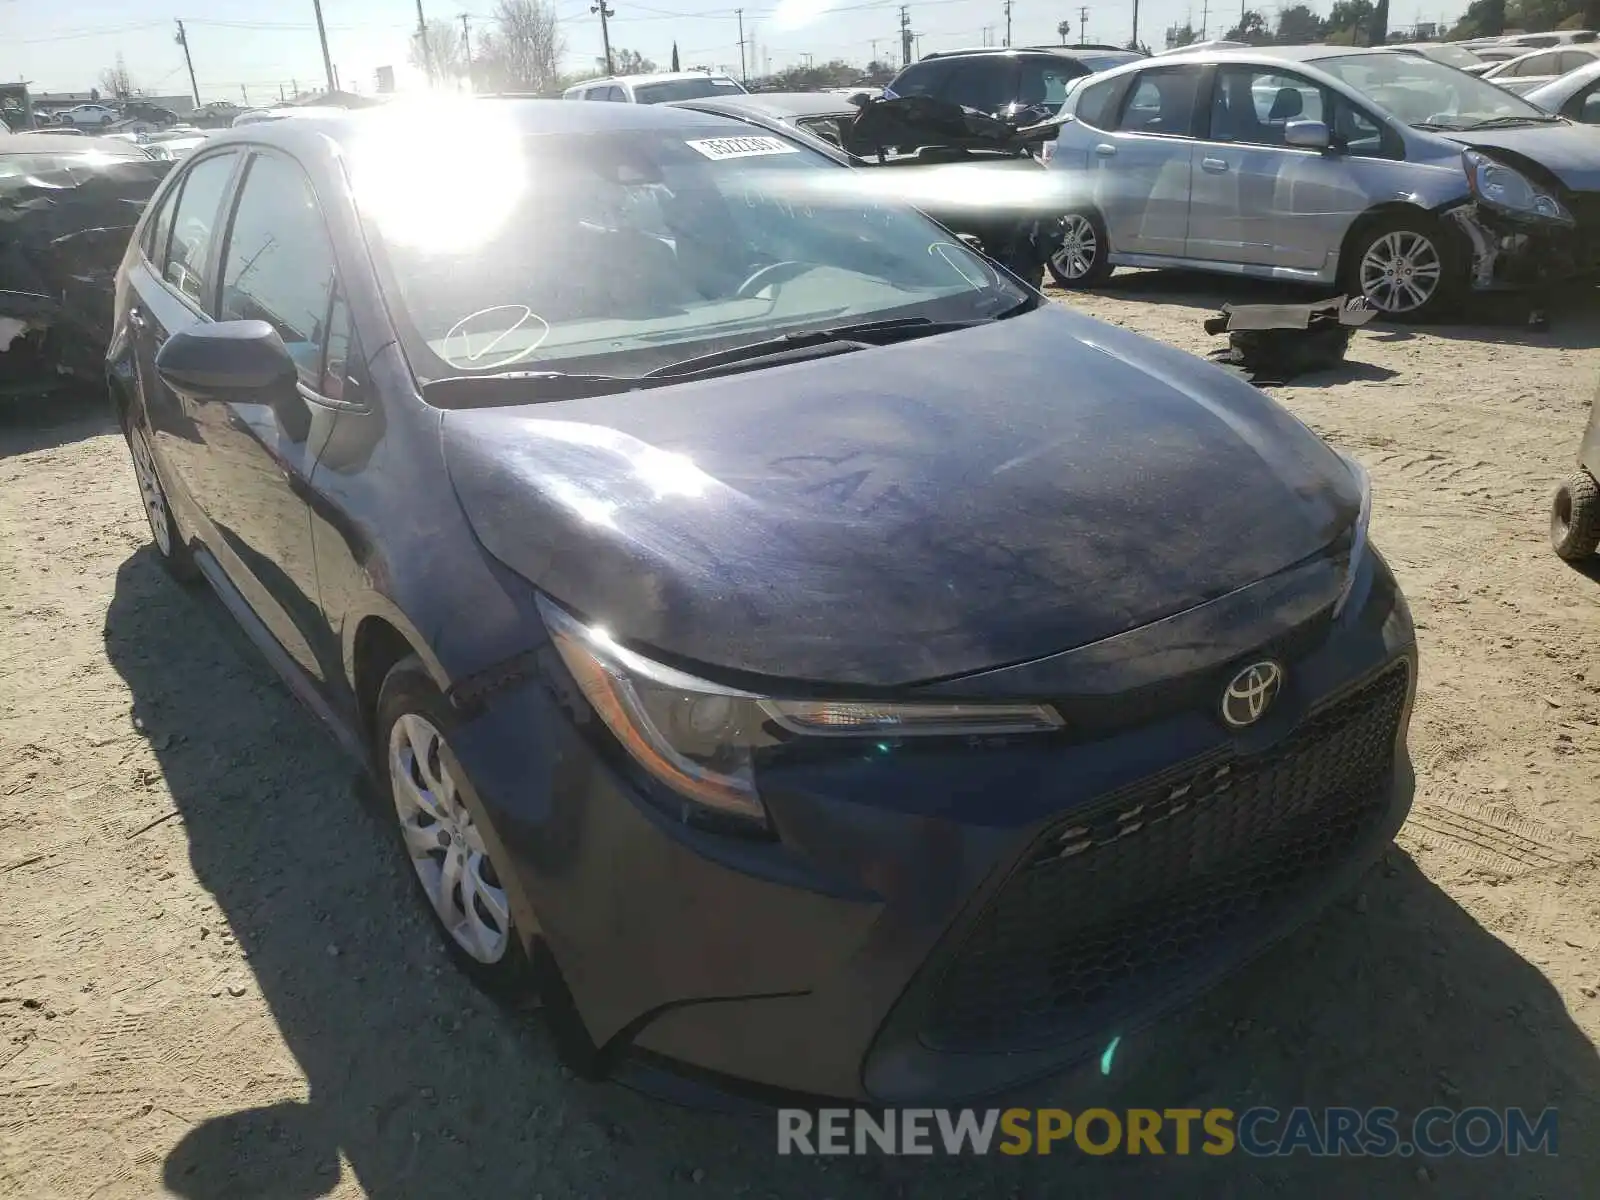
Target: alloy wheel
[(1079, 249), (1401, 271), (444, 844), (155, 500)]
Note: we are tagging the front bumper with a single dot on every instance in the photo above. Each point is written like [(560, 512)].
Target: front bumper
[(847, 958), (1507, 253)]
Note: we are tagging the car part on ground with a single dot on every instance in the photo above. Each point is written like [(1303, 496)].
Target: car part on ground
[(1575, 517), (1575, 507), (67, 206), (1273, 343)]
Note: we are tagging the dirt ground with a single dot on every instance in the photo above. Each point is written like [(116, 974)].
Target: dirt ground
[(214, 982)]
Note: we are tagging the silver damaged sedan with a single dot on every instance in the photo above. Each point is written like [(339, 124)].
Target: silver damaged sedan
[(1385, 174)]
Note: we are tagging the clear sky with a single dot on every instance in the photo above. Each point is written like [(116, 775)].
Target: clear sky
[(63, 45)]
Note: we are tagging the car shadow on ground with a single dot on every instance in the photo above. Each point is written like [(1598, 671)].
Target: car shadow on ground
[(30, 422), (419, 1086), (1502, 318)]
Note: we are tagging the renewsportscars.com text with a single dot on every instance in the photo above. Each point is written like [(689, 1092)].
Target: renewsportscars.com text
[(1259, 1132)]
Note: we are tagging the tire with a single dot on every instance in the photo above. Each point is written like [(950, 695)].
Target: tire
[(1083, 259), (1409, 267), (441, 839), (164, 536), (1575, 517)]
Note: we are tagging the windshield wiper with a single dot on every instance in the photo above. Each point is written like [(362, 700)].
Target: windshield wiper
[(838, 339), (1511, 122), (1438, 126), (522, 387)]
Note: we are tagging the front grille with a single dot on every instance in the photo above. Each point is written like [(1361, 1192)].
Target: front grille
[(1115, 906)]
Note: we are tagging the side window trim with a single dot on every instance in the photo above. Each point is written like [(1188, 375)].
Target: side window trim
[(156, 257)]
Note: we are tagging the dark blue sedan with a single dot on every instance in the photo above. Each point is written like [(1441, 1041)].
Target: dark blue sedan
[(787, 645)]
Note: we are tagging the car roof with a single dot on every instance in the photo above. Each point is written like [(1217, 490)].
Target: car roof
[(776, 105), (1073, 52), (308, 133)]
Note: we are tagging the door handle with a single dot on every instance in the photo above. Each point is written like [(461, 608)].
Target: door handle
[(1105, 150), (1215, 165)]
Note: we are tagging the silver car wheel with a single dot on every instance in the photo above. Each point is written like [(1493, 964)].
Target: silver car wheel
[(445, 846), (1079, 247), (1401, 271), (155, 500)]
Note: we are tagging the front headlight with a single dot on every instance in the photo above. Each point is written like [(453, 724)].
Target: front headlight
[(1358, 534), (1500, 187), (699, 738)]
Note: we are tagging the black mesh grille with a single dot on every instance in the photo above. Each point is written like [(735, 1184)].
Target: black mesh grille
[(1110, 909)]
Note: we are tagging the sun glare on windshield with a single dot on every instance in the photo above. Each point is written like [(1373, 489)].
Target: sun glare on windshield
[(452, 199)]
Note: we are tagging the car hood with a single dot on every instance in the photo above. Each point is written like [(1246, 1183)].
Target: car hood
[(1569, 152), (904, 513)]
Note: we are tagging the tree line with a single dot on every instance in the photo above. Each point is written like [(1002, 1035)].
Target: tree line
[(1365, 23)]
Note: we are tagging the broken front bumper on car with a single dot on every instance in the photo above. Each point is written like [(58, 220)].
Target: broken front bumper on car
[(1513, 251)]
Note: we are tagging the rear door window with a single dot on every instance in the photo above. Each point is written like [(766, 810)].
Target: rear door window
[(159, 231), (1162, 102), (1571, 60), (196, 225)]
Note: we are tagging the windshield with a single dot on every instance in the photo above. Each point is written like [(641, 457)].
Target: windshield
[(619, 252), (685, 89), (1428, 94)]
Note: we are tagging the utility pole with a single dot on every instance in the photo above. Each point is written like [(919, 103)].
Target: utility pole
[(1135, 39), (1008, 22), (605, 31), (183, 40), (744, 76), (905, 35), (466, 42), (427, 50), (1083, 23), (322, 36), (1205, 18), (875, 42)]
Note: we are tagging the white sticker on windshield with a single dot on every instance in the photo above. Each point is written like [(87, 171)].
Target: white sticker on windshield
[(742, 147)]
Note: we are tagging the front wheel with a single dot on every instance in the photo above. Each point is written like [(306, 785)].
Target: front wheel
[(1406, 267), (1083, 258), (442, 838), (169, 544)]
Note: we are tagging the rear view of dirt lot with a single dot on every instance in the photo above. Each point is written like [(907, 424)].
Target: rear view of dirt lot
[(214, 982)]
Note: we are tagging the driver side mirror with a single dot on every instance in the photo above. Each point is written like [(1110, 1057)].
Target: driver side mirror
[(1307, 135), (236, 360)]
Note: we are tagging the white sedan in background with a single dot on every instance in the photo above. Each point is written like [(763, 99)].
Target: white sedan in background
[(1528, 71), (1575, 95), (89, 114)]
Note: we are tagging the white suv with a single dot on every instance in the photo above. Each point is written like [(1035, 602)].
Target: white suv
[(655, 89)]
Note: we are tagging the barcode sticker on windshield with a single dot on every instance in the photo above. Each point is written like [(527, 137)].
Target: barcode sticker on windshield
[(742, 147)]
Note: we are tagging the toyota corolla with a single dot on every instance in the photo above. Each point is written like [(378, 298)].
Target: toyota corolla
[(785, 643)]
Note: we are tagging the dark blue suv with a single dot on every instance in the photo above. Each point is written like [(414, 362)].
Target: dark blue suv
[(784, 642)]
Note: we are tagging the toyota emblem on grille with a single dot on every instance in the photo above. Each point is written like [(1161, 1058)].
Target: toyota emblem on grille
[(1251, 692)]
